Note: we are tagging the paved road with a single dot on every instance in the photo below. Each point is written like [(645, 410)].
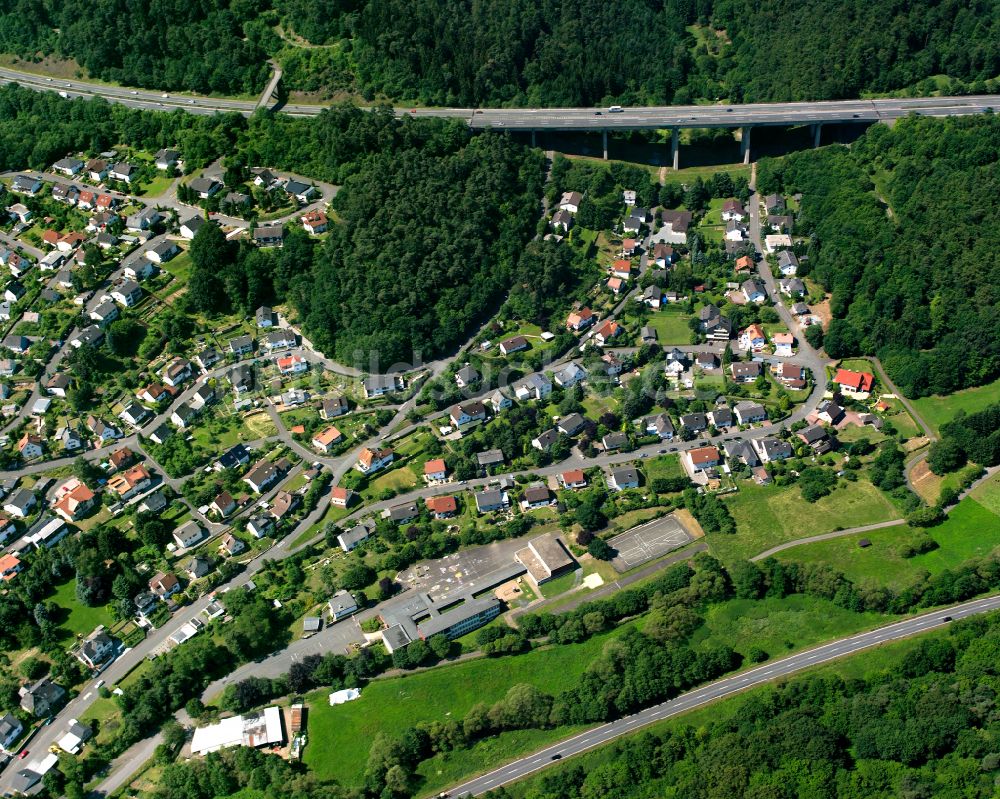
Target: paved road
[(653, 117), (720, 689)]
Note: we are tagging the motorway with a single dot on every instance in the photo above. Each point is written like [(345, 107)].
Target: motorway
[(720, 689), (527, 119)]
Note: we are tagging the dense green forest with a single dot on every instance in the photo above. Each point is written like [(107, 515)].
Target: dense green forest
[(905, 234), (926, 726), (554, 52)]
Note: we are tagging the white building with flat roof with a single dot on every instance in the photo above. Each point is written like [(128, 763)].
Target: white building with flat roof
[(254, 730)]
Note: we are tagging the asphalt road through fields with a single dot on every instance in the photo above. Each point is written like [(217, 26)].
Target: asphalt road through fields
[(720, 689)]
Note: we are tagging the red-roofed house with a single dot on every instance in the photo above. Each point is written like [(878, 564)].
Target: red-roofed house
[(606, 332), (315, 222), (622, 269), (579, 320), (341, 497), (854, 382), (442, 507), (702, 458), (9, 567), (574, 478), (75, 502), (435, 469), (328, 439)]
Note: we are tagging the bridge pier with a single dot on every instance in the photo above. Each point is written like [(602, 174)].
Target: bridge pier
[(816, 128), (675, 144), (604, 134), (745, 144)]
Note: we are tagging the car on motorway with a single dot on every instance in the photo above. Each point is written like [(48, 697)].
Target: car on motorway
[(24, 754), (615, 109), (946, 618), (729, 110), (48, 80), (164, 95), (673, 449), (556, 757), (191, 102), (598, 114), (660, 451), (133, 92)]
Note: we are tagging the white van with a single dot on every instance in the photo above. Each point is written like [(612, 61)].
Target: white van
[(615, 109)]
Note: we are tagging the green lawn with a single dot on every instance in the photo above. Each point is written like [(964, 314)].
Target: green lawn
[(779, 625), (770, 515), (971, 530), (663, 466), (671, 325), (937, 410), (558, 585), (339, 737), (156, 186), (81, 619)]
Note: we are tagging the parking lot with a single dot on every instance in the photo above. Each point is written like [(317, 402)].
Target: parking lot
[(648, 541)]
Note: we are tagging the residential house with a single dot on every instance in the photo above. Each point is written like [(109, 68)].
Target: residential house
[(370, 461), (491, 499), (442, 507), (580, 320), (189, 227), (20, 503), (58, 383), (675, 226), (299, 190), (500, 401), (154, 393), (233, 458), (774, 203), (280, 339), (189, 534), (615, 285), (105, 313), (205, 187), (561, 221), (315, 222), (74, 500), (780, 223), (241, 345), (735, 232), (788, 263), (11, 729), (721, 418), (570, 375), (744, 264), (259, 526), (183, 415), (771, 449), (269, 235), (733, 210), (350, 539), (854, 383), (341, 605), (265, 316), (104, 432), (792, 287), (292, 364), (176, 372), (745, 372), (491, 457), (614, 441), (749, 412), (130, 482), (16, 343), (96, 649), (199, 566), (164, 585), (138, 269), (30, 446), (124, 172), (622, 268), (97, 169), (231, 545), (512, 345), (162, 251), (536, 497), (790, 374), (223, 505), (783, 344), (694, 422), (466, 377), (570, 201), (544, 440), (659, 425), (606, 332), (26, 184), (327, 439), (623, 478), (41, 699), (571, 424), (754, 291), (203, 395), (776, 241), (701, 459), (663, 255), (333, 407), (166, 159), (403, 513), (342, 497), (262, 476), (534, 386), (91, 335), (127, 293), (68, 166), (753, 338), (241, 379), (435, 470), (815, 437), (380, 385), (466, 413), (573, 479), (829, 412)]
